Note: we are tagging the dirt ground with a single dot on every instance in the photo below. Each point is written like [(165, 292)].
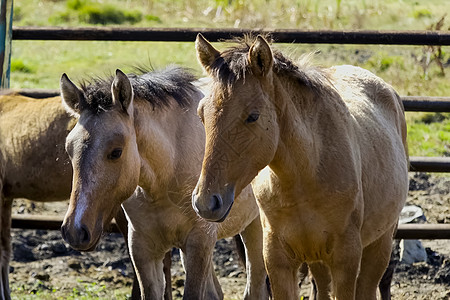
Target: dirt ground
[(43, 266)]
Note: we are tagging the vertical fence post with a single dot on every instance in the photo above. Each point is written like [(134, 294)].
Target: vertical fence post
[(5, 41)]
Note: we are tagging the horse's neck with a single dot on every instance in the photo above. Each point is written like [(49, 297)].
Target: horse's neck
[(298, 149), (171, 145)]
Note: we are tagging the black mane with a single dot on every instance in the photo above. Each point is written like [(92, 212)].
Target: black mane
[(158, 87)]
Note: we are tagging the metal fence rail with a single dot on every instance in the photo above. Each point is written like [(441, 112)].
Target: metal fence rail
[(405, 231), (216, 34), (426, 104)]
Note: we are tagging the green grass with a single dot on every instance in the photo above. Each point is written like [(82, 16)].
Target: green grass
[(82, 291), (429, 134), (17, 65), (40, 64), (95, 13)]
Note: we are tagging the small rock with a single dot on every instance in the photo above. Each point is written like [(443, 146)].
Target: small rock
[(41, 276), (59, 248), (74, 264), (44, 247), (179, 283), (21, 210), (106, 278), (22, 253)]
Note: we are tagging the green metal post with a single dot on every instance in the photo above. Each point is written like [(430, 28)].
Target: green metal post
[(5, 41)]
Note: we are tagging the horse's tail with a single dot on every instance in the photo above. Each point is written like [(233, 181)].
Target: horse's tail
[(402, 125)]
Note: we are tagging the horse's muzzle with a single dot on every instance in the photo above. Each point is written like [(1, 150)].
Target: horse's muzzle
[(213, 207), (78, 237)]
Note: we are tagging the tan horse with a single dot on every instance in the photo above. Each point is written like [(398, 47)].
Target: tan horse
[(330, 149), (33, 162), (141, 135)]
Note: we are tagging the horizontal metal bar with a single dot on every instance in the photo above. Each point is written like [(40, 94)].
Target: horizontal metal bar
[(427, 104), (216, 34), (28, 221), (429, 164), (423, 231), (405, 231)]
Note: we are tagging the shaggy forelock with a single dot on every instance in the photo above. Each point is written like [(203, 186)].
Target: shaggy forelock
[(233, 65)]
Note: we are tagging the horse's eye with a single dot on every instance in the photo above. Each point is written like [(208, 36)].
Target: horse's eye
[(115, 154), (253, 117)]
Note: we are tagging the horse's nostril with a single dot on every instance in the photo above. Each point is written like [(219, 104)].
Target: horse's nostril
[(85, 236), (216, 202)]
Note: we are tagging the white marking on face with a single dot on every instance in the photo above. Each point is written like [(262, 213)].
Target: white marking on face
[(82, 206)]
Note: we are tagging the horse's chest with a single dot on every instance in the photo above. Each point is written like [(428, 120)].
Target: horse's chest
[(304, 234)]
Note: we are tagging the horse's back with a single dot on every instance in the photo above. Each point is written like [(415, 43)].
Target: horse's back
[(373, 104), (32, 137), (368, 88)]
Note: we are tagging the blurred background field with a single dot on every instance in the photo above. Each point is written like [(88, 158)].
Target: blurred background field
[(412, 70)]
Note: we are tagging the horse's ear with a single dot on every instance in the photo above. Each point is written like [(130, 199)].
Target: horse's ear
[(122, 91), (260, 57), (206, 53), (72, 97)]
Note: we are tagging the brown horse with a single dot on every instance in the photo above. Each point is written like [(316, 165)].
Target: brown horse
[(325, 150), (33, 162), (140, 135)]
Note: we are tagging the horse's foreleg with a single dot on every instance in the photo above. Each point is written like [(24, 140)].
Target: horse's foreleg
[(371, 273), (201, 282), (322, 279), (282, 270), (344, 265), (257, 287), (148, 267), (5, 247), (122, 224)]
